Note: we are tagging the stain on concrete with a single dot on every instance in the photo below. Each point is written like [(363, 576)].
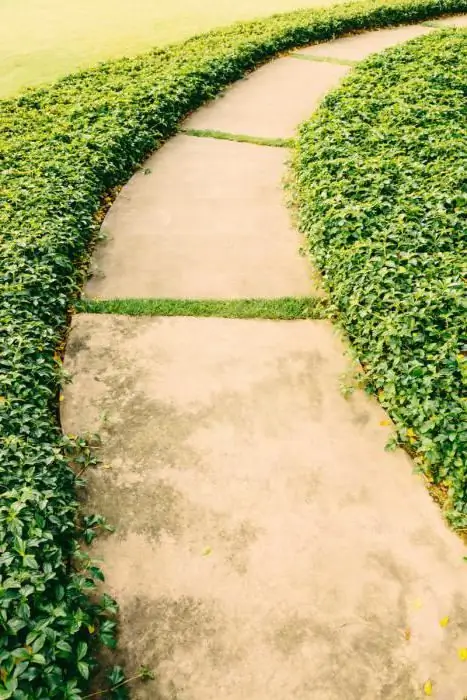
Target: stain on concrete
[(165, 630), (135, 437), (361, 419), (165, 625), (76, 343), (385, 561), (238, 541), (150, 508), (291, 634)]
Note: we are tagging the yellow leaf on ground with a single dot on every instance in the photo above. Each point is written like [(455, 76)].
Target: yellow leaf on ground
[(444, 621), (463, 654), (207, 551), (428, 688), (417, 604), (385, 422), (407, 634)]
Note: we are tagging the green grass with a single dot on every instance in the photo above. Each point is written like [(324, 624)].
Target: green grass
[(41, 40), (240, 138), (324, 59), (283, 308), (380, 173)]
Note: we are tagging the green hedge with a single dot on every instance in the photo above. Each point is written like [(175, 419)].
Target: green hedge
[(61, 149), (381, 184)]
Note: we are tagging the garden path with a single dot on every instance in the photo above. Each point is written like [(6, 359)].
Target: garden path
[(266, 545)]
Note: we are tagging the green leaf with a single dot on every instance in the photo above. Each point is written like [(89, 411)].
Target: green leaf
[(83, 668), (82, 650), (38, 659)]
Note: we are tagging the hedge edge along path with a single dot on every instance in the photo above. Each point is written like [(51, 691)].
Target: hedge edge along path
[(380, 183), (62, 149)]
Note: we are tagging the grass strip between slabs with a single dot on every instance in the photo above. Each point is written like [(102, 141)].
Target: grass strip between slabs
[(324, 59), (239, 138), (282, 308)]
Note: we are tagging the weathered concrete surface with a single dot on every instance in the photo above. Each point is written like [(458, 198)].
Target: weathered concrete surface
[(453, 21), (208, 220), (271, 101), (359, 46), (266, 546)]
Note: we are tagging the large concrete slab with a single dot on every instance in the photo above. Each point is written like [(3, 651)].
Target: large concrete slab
[(271, 101), (453, 21), (267, 546), (359, 46), (208, 220)]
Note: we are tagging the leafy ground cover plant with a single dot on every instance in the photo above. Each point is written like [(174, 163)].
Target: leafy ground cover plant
[(381, 186), (62, 149)]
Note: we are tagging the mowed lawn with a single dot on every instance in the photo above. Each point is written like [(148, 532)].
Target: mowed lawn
[(41, 40)]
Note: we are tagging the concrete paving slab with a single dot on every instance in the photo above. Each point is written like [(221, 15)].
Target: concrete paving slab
[(267, 546), (359, 46), (208, 220), (271, 101), (453, 21)]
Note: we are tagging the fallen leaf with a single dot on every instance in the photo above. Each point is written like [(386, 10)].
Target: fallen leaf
[(207, 551), (428, 688), (463, 654), (417, 604), (444, 621), (407, 634), (106, 466), (385, 422)]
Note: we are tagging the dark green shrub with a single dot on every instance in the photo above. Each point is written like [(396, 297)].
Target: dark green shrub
[(381, 182), (62, 148)]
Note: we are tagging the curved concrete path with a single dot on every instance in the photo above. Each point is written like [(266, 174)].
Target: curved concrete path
[(266, 547)]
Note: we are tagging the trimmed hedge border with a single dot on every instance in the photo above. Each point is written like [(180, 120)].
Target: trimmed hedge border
[(380, 174), (62, 148)]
